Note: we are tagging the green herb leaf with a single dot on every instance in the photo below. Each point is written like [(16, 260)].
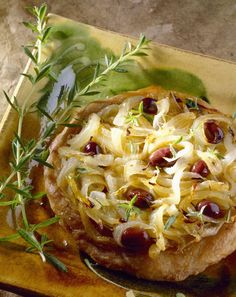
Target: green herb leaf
[(46, 34), (8, 203), (39, 195), (10, 237), (22, 162), (29, 237), (130, 208), (46, 223), (30, 55), (140, 54), (72, 93), (91, 93), (44, 163), (23, 192), (191, 104), (45, 240), (170, 222), (48, 131), (178, 140), (30, 249), (43, 72), (10, 102), (81, 169), (30, 26), (140, 107), (216, 153), (70, 125), (18, 139), (96, 71), (55, 262), (120, 70), (42, 12)]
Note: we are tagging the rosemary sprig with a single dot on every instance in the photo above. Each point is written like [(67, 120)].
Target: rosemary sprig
[(37, 149), (23, 152)]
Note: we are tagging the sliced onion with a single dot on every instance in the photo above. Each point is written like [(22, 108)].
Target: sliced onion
[(181, 121), (88, 131), (186, 152), (163, 108), (125, 107), (68, 167), (198, 126), (214, 164), (230, 156), (98, 160)]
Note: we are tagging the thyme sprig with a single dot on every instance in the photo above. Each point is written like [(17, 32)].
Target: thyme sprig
[(130, 208), (215, 153), (135, 114), (25, 152)]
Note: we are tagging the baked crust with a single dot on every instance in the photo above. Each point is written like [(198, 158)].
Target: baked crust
[(168, 265)]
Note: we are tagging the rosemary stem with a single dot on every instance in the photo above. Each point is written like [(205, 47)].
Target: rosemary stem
[(19, 132), (39, 43), (19, 178), (7, 181)]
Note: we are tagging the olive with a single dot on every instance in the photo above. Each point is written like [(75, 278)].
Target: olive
[(144, 198), (213, 132), (92, 148), (157, 158), (136, 239), (211, 209), (149, 105), (201, 168)]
